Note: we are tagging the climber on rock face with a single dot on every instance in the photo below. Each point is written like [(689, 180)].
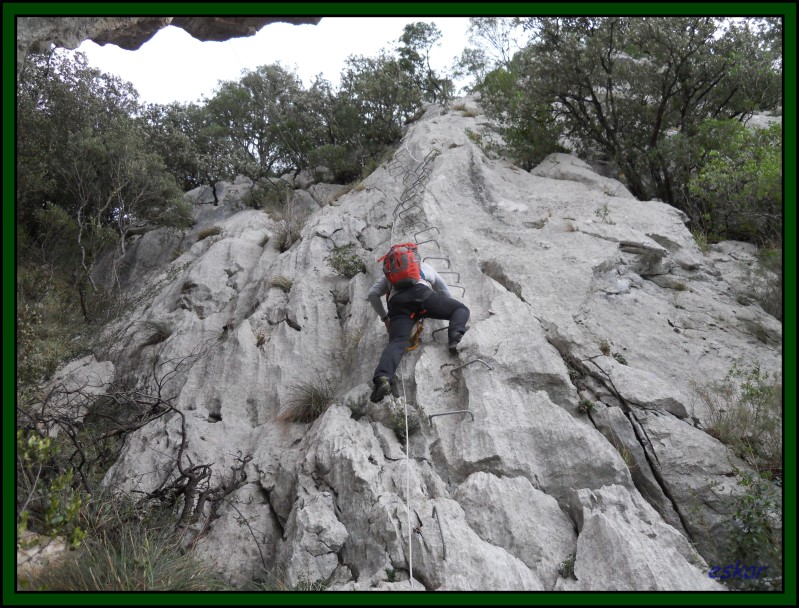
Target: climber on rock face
[(414, 291)]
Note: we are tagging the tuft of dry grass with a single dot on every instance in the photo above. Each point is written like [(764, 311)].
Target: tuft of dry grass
[(308, 402), (283, 283), (209, 231)]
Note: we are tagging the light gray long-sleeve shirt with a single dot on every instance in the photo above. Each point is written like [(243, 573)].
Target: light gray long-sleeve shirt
[(382, 287)]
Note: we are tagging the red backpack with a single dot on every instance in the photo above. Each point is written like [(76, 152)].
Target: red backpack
[(401, 266)]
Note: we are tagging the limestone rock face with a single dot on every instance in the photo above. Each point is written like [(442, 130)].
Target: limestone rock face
[(73, 390), (576, 295), (625, 544)]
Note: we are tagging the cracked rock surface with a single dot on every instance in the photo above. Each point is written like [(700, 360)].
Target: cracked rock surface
[(566, 276)]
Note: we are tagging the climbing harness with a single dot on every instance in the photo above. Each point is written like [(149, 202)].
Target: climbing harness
[(416, 335)]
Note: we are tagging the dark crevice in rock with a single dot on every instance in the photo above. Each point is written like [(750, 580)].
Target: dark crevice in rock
[(640, 433), (494, 270), (273, 512), (479, 187)]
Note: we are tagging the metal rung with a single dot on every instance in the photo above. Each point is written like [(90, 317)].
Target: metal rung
[(405, 206), (430, 241), (409, 208), (433, 333), (459, 287), (413, 190), (425, 230), (430, 156), (410, 197), (451, 272), (409, 194), (431, 416), (416, 179), (401, 207), (452, 371), (422, 177), (415, 197), (432, 257)]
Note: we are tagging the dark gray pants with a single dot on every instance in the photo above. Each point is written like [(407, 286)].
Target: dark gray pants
[(422, 302)]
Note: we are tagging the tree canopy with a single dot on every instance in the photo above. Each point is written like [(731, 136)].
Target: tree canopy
[(620, 89)]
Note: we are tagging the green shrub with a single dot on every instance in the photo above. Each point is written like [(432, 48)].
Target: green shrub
[(603, 213), (604, 347), (397, 417), (268, 195), (474, 137), (700, 236), (737, 191), (755, 536), (309, 401), (620, 358), (50, 327), (345, 261), (745, 412), (47, 501), (277, 582), (586, 406), (341, 161), (566, 568), (132, 558)]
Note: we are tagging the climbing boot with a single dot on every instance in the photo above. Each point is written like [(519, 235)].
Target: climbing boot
[(395, 388), (382, 388), (454, 341)]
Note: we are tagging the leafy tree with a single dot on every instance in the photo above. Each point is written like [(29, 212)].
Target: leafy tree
[(261, 117), (474, 63), (376, 97), (495, 41), (737, 191), (529, 127), (171, 131), (58, 95), (622, 85), (417, 40), (339, 142), (80, 149)]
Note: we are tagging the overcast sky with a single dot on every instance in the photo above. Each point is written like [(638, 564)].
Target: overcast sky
[(173, 66)]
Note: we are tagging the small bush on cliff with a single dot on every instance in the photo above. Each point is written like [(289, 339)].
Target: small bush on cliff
[(291, 219), (586, 406), (209, 231), (282, 283), (309, 401), (745, 412), (129, 550), (345, 261), (566, 568), (755, 535)]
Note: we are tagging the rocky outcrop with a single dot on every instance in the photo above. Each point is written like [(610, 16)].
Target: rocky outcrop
[(38, 34), (577, 294)]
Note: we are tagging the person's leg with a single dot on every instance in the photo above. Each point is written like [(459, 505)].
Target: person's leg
[(401, 326), (442, 307)]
